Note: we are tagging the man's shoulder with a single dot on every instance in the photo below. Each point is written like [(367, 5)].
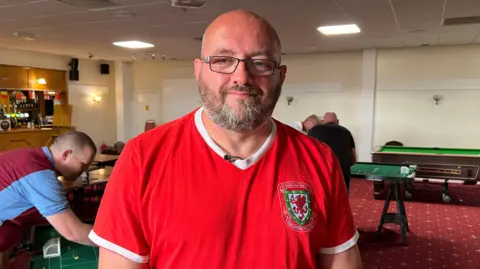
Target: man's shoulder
[(306, 148), (22, 152), (329, 128), (23, 162), (300, 139), (343, 128)]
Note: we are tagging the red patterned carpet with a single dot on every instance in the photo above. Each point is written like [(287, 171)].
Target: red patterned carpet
[(442, 235)]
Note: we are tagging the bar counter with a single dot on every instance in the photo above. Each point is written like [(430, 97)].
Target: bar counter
[(30, 138)]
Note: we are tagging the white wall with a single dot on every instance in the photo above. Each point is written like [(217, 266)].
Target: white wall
[(150, 75), (124, 104), (406, 82), (33, 59), (180, 96), (400, 82), (305, 72), (320, 83), (97, 120)]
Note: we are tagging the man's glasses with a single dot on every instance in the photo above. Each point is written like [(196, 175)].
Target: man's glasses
[(228, 65)]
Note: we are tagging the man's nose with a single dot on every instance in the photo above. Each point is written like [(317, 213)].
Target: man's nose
[(241, 75)]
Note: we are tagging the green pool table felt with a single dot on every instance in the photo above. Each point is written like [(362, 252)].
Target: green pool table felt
[(424, 150), (380, 171), (87, 256)]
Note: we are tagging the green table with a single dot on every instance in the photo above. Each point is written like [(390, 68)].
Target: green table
[(73, 255), (429, 151), (380, 171), (392, 173), (441, 164)]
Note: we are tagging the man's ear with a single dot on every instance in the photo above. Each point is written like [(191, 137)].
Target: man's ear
[(283, 73), (197, 66), (66, 153)]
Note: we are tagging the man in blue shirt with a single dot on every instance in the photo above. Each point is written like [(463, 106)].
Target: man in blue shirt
[(29, 185)]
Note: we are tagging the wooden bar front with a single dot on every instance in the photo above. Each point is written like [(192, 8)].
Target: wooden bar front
[(29, 138)]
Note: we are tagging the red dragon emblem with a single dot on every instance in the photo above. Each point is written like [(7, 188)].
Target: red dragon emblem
[(295, 200)]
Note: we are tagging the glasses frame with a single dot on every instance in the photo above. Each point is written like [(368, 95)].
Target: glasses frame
[(208, 59)]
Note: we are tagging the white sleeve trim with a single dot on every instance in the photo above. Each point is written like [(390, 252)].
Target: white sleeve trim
[(343, 247), (117, 249), (297, 125)]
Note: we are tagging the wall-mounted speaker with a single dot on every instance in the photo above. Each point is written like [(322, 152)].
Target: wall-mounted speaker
[(74, 75), (104, 69), (73, 64)]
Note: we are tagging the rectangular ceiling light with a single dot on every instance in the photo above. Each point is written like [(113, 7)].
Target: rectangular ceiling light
[(133, 44), (91, 4), (188, 3), (339, 29)]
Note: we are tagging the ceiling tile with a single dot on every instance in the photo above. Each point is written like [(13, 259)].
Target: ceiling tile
[(462, 8), (456, 38), (384, 42), (33, 9), (418, 14), (4, 3), (419, 39), (374, 17)]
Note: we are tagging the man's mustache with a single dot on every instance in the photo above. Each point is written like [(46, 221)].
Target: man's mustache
[(245, 89)]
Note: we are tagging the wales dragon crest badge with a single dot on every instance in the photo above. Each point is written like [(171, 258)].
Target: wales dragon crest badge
[(296, 204)]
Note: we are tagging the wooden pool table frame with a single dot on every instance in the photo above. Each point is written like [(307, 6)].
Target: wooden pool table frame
[(471, 162)]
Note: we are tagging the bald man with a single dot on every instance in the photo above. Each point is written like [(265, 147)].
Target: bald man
[(339, 139), (227, 186), (29, 185)]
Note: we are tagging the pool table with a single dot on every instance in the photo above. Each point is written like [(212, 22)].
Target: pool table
[(73, 255), (393, 174), (434, 165)]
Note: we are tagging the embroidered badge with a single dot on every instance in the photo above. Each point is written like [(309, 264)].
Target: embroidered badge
[(296, 204)]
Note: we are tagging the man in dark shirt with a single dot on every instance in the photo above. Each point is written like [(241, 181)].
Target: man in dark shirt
[(340, 141)]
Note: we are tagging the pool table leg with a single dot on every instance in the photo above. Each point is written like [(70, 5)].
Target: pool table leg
[(445, 197), (378, 189), (408, 190), (399, 218), (384, 213), (403, 215)]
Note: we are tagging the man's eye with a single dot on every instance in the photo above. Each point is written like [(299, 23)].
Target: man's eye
[(223, 61), (262, 64)]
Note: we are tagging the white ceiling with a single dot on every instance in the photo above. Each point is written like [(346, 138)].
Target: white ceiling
[(68, 30)]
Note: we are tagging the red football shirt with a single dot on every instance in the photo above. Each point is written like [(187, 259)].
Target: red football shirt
[(174, 202)]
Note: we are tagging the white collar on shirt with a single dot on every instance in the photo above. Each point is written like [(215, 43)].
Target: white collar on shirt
[(241, 164)]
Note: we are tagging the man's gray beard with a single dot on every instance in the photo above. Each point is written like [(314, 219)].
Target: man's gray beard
[(254, 113)]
